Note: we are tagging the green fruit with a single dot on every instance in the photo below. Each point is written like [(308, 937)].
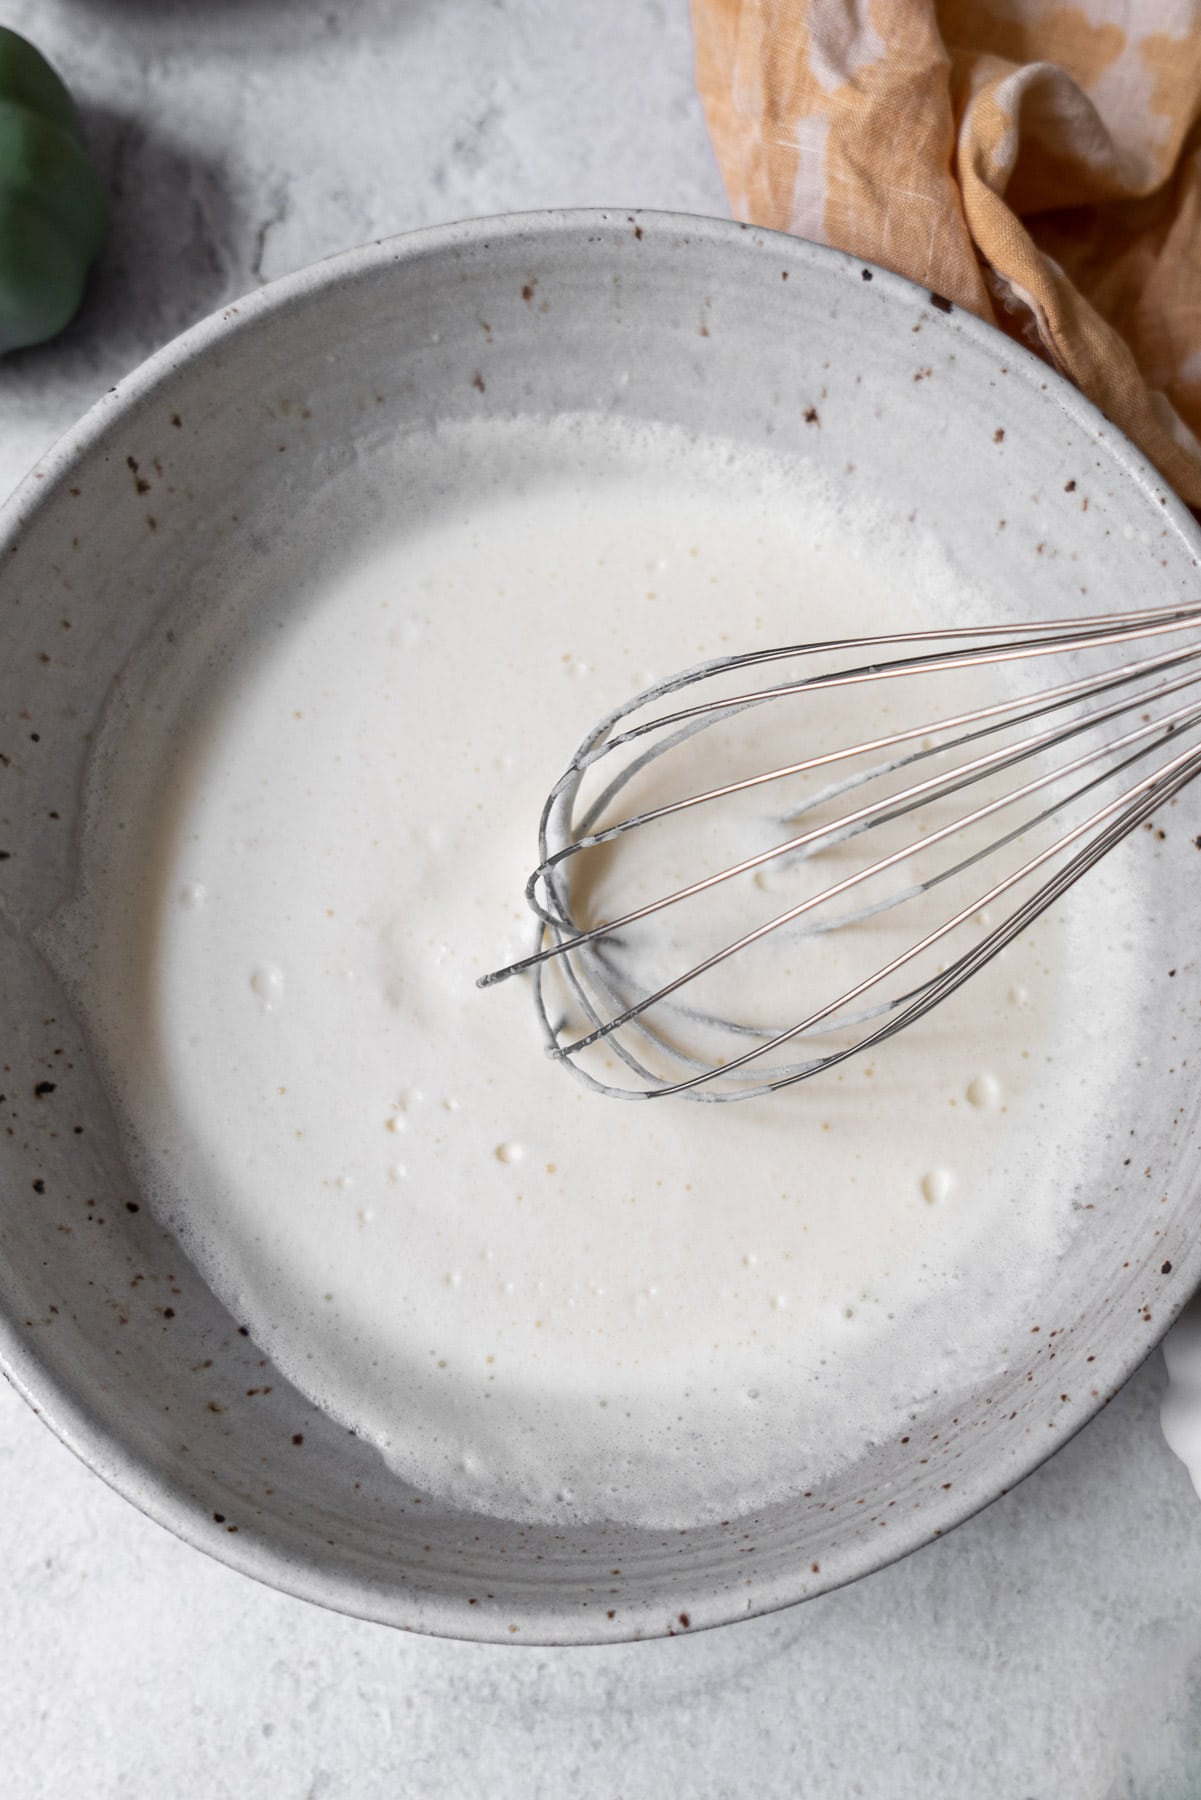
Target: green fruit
[(52, 207)]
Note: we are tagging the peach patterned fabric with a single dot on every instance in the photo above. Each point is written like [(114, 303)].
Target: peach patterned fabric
[(1038, 164)]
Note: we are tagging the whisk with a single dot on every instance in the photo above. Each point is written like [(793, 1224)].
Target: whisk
[(740, 889)]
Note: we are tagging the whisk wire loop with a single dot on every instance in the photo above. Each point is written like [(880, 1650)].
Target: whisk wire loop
[(614, 982)]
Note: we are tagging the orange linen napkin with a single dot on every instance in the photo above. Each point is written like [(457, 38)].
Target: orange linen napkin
[(1038, 164)]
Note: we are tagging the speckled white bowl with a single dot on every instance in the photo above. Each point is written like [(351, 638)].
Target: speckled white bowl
[(194, 465)]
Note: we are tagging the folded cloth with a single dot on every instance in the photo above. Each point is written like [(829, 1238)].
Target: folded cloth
[(1038, 164)]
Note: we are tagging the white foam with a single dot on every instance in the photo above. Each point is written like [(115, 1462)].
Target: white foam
[(309, 831)]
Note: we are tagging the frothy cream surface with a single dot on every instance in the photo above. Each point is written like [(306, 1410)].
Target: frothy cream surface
[(310, 827)]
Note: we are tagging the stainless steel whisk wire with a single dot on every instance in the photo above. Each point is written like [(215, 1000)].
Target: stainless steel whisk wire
[(562, 942)]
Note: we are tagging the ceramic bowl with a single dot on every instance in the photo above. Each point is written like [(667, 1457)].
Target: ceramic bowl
[(165, 489)]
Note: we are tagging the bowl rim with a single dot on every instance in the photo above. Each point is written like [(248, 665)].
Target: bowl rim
[(119, 1464)]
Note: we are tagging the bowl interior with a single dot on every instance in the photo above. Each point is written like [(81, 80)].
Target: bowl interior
[(189, 478)]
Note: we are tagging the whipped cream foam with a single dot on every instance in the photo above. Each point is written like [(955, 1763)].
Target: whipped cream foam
[(310, 822)]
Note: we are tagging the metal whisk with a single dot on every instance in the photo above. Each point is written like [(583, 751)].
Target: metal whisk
[(740, 892)]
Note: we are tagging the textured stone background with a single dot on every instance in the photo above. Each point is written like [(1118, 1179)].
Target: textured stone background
[(1051, 1648)]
